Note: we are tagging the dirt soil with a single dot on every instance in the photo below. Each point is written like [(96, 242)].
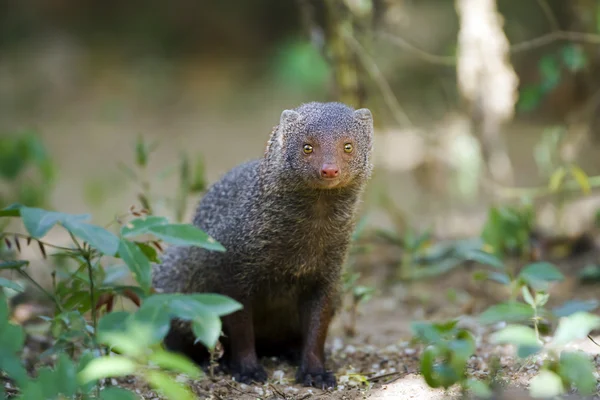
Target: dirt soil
[(380, 361)]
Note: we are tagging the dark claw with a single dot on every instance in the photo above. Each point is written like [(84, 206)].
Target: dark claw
[(323, 380), (250, 375)]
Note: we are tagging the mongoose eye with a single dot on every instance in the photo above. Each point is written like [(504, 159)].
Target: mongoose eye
[(307, 149), (348, 147)]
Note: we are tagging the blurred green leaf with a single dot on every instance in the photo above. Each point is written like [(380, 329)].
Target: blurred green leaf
[(509, 312), (216, 303), (577, 369), (573, 57), (581, 178), (529, 98), (115, 393), (479, 389), (11, 285), (573, 306), (485, 258), (106, 367), (38, 221), (207, 328), (168, 387), (137, 262), (541, 271), (575, 327), (142, 225), (527, 296), (519, 335), (550, 73), (13, 210), (185, 235), (99, 238), (14, 264), (65, 376), (546, 384), (557, 178), (175, 362)]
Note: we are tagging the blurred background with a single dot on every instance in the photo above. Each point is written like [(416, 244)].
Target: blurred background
[(472, 99)]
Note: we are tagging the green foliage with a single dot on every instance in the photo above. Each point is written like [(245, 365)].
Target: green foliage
[(448, 348), (26, 171), (507, 230), (551, 66), (135, 336)]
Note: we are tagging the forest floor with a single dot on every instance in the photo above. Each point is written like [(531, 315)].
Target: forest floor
[(381, 362)]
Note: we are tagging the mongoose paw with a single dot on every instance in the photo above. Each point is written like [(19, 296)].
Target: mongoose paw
[(321, 380), (249, 375)]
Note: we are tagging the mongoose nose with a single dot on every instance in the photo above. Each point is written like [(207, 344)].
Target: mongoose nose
[(329, 171)]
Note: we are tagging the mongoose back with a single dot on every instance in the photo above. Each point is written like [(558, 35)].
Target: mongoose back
[(285, 220)]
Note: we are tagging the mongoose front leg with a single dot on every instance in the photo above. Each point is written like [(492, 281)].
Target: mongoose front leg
[(315, 315), (244, 363)]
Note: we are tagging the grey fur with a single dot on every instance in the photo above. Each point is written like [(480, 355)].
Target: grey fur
[(282, 229)]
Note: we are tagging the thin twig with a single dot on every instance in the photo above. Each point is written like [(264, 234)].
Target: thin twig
[(429, 57), (378, 77), (593, 341), (37, 285), (281, 394), (551, 37), (556, 35), (549, 14)]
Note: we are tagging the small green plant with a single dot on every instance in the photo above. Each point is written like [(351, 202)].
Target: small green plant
[(561, 369), (97, 256), (444, 359), (191, 179), (27, 173)]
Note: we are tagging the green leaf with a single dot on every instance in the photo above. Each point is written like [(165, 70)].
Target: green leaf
[(13, 367), (149, 251), (13, 210), (38, 221), (106, 367), (575, 327), (207, 328), (529, 98), (527, 296), (11, 285), (573, 57), (115, 321), (483, 257), (427, 366), (515, 334), (546, 384), (509, 312), (479, 389), (581, 178), (156, 316), (185, 235), (549, 72), (499, 277), (65, 375), (13, 264), (168, 386), (175, 362), (573, 306), (556, 179), (577, 369), (99, 238), (217, 303), (540, 271), (140, 226), (137, 262), (115, 393)]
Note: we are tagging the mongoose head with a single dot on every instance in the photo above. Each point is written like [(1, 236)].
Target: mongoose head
[(323, 145)]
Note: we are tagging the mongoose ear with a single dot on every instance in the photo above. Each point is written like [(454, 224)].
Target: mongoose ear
[(288, 116), (363, 114)]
